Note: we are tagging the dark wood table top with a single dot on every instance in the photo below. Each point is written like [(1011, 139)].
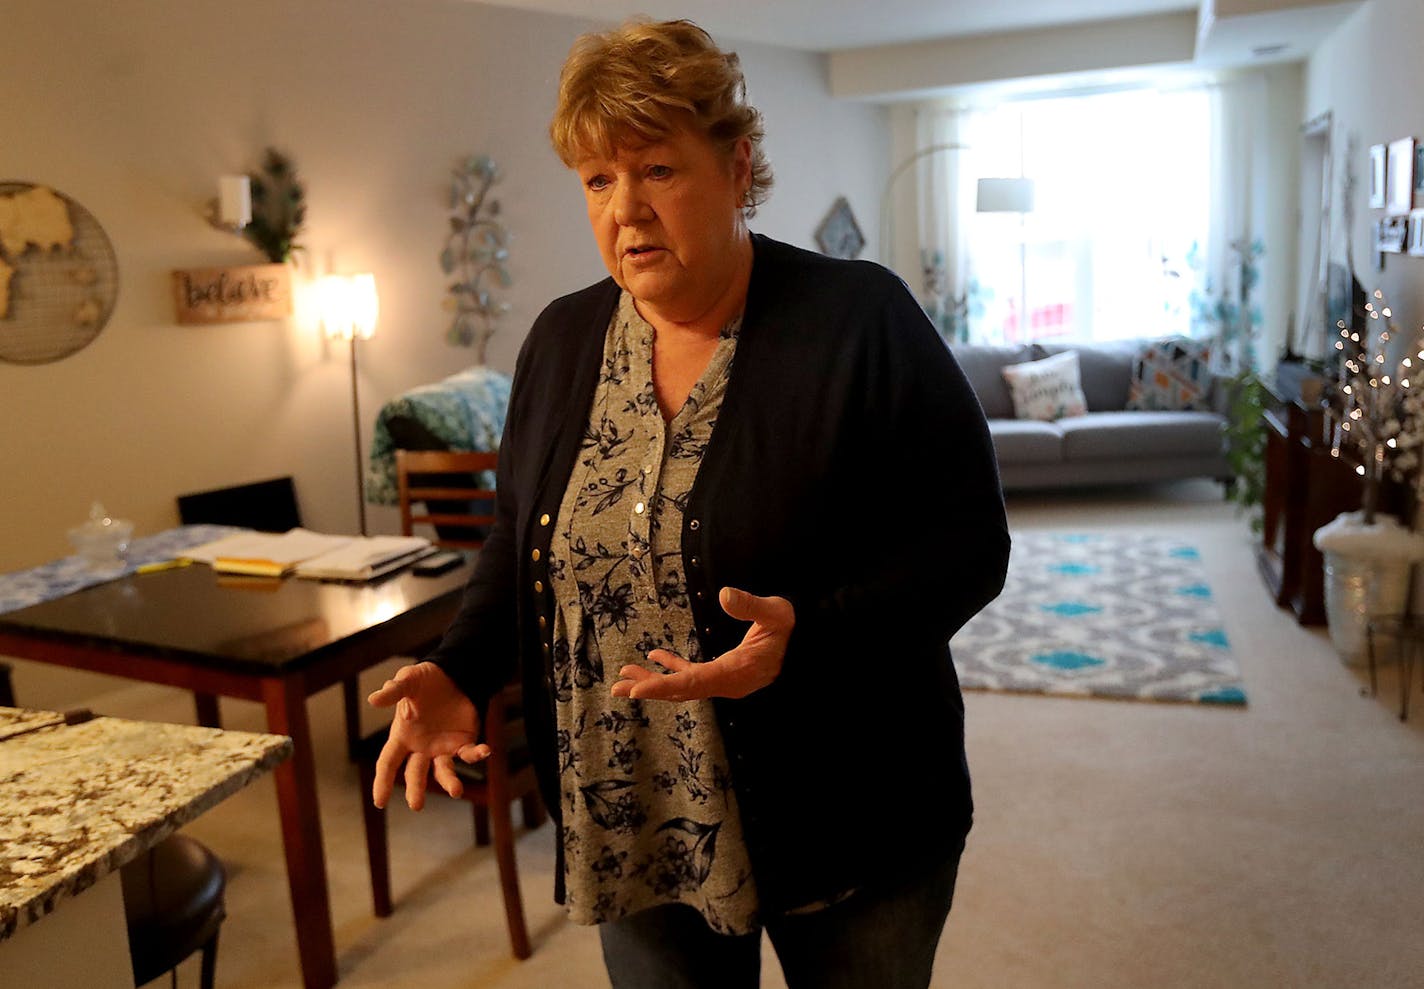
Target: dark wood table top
[(259, 625)]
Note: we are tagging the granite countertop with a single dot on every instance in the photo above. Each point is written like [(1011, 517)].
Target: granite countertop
[(81, 801)]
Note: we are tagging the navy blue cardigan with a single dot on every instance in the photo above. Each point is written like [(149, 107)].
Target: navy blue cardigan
[(851, 472)]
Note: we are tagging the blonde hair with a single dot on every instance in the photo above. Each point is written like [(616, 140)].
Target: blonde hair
[(644, 80)]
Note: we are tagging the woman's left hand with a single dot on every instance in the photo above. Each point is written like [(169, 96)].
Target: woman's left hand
[(749, 667)]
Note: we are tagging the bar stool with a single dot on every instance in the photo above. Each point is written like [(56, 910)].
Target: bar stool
[(1407, 632), (174, 906)]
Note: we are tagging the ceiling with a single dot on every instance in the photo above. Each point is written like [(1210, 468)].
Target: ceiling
[(830, 25)]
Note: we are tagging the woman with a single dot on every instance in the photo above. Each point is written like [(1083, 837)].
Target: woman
[(745, 497)]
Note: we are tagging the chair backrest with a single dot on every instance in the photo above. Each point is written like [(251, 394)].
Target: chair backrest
[(446, 482), (269, 506)]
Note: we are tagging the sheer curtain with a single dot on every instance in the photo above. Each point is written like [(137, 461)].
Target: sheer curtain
[(1123, 193), (1225, 264), (943, 222)]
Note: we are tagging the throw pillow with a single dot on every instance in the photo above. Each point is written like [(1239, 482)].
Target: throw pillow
[(1047, 389), (1172, 375)]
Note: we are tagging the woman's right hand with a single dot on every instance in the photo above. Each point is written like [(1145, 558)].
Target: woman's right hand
[(434, 722)]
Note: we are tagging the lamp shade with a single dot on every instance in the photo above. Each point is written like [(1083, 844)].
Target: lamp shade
[(349, 306), (1005, 196), (365, 305)]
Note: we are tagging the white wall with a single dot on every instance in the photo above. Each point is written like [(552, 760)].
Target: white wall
[(1368, 74), (133, 110), (1276, 169)]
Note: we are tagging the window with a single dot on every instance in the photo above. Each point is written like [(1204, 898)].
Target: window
[(1121, 196)]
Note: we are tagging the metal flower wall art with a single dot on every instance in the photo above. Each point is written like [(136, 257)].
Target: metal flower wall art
[(476, 252)]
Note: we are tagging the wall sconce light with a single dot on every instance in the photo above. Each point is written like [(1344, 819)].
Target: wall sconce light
[(349, 310), (232, 209)]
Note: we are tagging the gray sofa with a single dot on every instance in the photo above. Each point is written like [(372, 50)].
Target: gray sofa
[(1108, 445)]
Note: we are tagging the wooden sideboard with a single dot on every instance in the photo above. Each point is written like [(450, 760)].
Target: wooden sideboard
[(1305, 488)]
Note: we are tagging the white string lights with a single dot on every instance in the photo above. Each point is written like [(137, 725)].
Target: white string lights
[(1382, 417)]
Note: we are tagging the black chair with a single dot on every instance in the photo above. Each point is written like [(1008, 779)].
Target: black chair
[(173, 905), (268, 506)]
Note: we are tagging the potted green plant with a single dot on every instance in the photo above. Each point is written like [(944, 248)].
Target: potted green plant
[(1246, 444), (278, 208)]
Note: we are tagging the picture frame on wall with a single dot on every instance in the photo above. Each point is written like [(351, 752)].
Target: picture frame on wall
[(1419, 174), (1393, 233), (839, 235), (1378, 153), (1416, 233), (1399, 173)]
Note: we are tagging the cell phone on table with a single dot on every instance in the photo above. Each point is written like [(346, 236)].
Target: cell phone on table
[(437, 563)]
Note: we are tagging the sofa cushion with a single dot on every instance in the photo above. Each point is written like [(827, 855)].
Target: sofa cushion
[(1105, 370), (982, 366), (1046, 389), (1173, 374), (1026, 441), (1132, 435)]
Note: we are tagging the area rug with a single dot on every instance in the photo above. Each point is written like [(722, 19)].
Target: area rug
[(1122, 615)]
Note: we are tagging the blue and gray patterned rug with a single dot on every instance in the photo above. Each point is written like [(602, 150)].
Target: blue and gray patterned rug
[(1123, 615)]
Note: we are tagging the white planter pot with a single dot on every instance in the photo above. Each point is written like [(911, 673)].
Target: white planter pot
[(1356, 590), (1367, 570)]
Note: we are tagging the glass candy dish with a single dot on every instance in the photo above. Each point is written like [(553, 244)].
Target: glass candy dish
[(102, 541)]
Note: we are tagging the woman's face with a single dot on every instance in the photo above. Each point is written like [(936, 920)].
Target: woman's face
[(667, 218)]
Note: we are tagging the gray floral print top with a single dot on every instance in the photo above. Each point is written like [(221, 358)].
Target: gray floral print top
[(649, 814)]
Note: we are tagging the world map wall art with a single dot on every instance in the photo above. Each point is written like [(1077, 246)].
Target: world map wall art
[(58, 277)]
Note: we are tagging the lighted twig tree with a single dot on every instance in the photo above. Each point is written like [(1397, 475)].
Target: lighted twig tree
[(1374, 400)]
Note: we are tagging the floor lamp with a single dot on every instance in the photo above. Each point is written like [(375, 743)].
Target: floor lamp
[(887, 215), (992, 195), (350, 307), (1011, 196)]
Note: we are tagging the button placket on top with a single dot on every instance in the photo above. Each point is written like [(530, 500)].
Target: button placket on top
[(641, 507), (633, 458)]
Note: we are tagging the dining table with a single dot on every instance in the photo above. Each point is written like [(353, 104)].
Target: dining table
[(273, 640)]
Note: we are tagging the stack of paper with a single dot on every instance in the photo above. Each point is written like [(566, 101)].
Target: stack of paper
[(366, 558), (265, 553), (310, 554)]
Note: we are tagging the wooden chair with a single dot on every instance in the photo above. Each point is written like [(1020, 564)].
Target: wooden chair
[(447, 483), (491, 786)]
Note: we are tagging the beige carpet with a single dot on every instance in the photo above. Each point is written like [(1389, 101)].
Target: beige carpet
[(1117, 844)]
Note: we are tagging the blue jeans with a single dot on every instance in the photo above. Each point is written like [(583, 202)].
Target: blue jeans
[(880, 938)]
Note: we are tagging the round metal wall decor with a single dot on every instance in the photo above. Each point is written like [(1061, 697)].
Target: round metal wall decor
[(58, 277)]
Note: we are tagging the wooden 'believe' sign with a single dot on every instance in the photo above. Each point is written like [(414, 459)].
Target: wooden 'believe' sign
[(232, 295)]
